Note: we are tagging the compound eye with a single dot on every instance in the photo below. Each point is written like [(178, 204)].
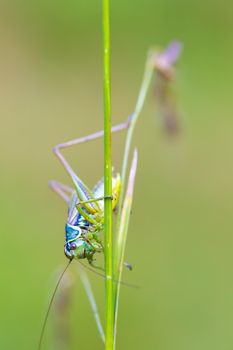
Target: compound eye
[(73, 246)]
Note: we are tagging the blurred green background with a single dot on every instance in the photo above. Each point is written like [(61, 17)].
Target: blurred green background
[(180, 239)]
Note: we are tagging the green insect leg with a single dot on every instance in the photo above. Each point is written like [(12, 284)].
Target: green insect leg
[(98, 213), (88, 217)]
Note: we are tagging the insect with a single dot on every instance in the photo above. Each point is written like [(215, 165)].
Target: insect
[(85, 213), (85, 207), (85, 217)]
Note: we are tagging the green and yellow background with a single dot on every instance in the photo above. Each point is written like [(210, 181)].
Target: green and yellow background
[(181, 232)]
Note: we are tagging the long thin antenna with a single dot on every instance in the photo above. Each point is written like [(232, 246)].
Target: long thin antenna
[(105, 277), (50, 304)]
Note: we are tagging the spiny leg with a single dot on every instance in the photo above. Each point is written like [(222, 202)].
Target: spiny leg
[(95, 236), (95, 200), (87, 138), (84, 204), (61, 189), (87, 216), (82, 189)]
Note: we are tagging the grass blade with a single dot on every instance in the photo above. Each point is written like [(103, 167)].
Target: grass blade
[(91, 298), (122, 236)]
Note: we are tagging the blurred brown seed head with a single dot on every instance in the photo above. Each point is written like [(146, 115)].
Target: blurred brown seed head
[(164, 88)]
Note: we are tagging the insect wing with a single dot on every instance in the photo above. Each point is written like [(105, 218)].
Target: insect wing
[(73, 214), (98, 192), (84, 194), (116, 186)]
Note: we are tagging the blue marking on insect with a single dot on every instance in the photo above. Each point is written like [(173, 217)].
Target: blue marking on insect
[(72, 232), (73, 240), (80, 221)]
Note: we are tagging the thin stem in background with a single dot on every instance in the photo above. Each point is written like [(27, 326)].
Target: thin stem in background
[(122, 236), (148, 74), (160, 62), (91, 298), (123, 214), (109, 306)]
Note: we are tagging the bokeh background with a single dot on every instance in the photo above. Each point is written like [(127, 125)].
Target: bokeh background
[(180, 239)]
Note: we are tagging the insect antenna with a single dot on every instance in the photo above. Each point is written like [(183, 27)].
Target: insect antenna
[(50, 304), (105, 277)]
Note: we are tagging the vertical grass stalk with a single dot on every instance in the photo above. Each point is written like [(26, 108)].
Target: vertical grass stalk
[(107, 181)]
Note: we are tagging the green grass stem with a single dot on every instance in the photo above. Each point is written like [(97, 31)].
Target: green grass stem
[(109, 306)]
